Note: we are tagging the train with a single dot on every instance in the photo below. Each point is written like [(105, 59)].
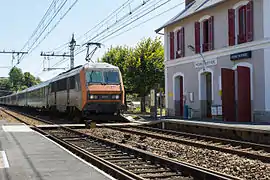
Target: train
[(93, 88)]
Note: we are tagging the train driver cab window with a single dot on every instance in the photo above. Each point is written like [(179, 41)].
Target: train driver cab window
[(94, 77), (111, 77)]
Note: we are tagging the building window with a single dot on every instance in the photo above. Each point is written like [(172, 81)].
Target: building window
[(241, 23), (177, 43), (204, 35), (180, 43)]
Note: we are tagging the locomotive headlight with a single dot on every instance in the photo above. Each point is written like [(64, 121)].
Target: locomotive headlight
[(93, 96), (115, 96)]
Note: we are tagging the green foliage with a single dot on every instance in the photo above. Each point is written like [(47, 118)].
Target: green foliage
[(18, 80), (142, 67), (5, 83)]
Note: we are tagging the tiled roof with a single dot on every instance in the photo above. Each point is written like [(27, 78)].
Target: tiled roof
[(193, 8)]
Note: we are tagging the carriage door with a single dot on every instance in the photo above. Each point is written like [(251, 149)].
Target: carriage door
[(68, 87), (55, 87), (47, 93)]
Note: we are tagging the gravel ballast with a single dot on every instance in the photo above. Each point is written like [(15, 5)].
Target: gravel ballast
[(218, 161)]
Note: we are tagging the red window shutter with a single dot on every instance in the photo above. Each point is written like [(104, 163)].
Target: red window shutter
[(178, 36), (211, 33), (183, 42), (171, 45), (197, 37), (231, 18), (249, 23)]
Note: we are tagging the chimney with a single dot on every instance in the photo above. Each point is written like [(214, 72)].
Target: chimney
[(187, 2)]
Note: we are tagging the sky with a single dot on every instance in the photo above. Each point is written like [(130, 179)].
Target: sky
[(20, 18)]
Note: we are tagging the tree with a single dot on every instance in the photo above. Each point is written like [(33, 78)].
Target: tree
[(148, 67), (29, 79), (38, 80), (16, 78), (4, 86), (142, 67)]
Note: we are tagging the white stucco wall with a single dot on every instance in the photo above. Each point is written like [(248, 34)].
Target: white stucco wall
[(267, 78), (266, 16)]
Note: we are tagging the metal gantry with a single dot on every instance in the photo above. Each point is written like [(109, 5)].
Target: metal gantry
[(13, 53), (72, 45)]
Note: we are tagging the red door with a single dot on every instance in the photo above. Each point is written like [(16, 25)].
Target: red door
[(181, 96), (244, 99), (228, 94)]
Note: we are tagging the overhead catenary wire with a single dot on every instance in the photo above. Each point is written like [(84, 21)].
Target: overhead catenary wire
[(130, 22), (45, 27), (109, 34), (149, 19), (62, 17), (33, 45), (112, 15), (143, 22), (40, 23), (132, 14)]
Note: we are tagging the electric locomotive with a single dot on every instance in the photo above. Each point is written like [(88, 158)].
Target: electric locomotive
[(81, 91)]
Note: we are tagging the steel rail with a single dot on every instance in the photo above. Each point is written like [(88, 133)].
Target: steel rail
[(110, 169), (178, 166), (178, 137)]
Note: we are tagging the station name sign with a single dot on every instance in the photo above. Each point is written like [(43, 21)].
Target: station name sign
[(207, 63), (242, 55)]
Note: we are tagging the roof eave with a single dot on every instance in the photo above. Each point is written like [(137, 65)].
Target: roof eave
[(171, 21)]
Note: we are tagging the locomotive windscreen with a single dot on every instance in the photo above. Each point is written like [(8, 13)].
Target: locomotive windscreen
[(102, 77)]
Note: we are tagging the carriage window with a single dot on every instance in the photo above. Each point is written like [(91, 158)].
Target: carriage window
[(77, 78), (61, 84), (72, 82)]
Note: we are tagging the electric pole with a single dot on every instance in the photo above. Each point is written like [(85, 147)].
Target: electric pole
[(72, 48), (72, 45), (18, 53)]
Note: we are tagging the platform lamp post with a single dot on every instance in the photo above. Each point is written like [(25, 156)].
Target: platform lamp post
[(204, 63)]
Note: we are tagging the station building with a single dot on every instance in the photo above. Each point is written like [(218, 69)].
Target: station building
[(217, 53)]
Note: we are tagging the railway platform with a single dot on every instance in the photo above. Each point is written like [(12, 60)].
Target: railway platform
[(252, 132), (255, 127), (28, 155)]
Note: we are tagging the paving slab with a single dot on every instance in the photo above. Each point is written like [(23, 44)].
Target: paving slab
[(28, 155)]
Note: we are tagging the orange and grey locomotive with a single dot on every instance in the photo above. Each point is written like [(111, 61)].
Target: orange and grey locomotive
[(81, 91)]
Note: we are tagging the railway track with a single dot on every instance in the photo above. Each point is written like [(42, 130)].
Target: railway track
[(121, 161), (250, 150), (30, 120), (134, 163), (100, 118)]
